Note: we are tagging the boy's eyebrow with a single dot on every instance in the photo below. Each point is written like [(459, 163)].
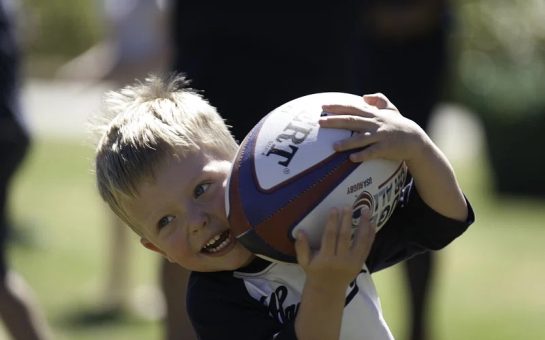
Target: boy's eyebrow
[(215, 166)]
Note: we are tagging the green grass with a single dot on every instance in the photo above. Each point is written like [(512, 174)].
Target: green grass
[(489, 283), (62, 239)]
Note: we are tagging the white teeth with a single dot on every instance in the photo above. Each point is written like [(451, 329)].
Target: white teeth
[(211, 246), (213, 240), (221, 246)]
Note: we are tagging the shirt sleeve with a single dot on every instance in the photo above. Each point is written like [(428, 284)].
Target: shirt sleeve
[(413, 228), (220, 308)]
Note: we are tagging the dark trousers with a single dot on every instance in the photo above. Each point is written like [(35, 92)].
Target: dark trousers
[(14, 142)]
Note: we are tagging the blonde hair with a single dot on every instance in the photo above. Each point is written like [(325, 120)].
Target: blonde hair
[(147, 123)]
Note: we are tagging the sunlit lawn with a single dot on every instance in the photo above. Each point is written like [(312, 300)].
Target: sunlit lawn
[(490, 283), (63, 251)]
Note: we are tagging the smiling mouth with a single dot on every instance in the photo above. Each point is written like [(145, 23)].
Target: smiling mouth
[(218, 243)]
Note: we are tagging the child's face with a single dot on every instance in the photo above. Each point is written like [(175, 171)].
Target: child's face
[(182, 215)]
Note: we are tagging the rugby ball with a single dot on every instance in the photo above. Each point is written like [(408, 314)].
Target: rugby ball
[(286, 177)]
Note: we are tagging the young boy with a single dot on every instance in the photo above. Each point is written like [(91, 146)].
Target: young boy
[(162, 163)]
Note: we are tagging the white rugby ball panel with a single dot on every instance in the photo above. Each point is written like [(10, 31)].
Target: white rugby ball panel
[(287, 146), (286, 177)]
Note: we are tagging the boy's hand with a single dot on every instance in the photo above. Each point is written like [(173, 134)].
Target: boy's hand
[(379, 127), (341, 256), (329, 272), (384, 133)]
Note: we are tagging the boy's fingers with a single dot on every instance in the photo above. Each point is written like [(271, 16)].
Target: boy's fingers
[(379, 100), (362, 110), (357, 141), (365, 235), (348, 122), (302, 249), (329, 237), (372, 151), (345, 233)]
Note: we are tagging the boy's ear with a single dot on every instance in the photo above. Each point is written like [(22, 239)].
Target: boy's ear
[(151, 246), (154, 248)]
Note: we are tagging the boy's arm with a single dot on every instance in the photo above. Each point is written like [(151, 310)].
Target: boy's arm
[(413, 228), (329, 273), (436, 182), (384, 133)]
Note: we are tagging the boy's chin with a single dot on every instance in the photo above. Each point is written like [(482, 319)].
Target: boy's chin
[(235, 258), (240, 257)]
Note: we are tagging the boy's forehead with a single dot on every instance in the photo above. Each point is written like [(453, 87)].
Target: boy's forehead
[(205, 153), (185, 167), (207, 161)]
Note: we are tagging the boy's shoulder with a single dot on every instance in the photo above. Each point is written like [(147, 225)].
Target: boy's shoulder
[(254, 284), (207, 284), (221, 303)]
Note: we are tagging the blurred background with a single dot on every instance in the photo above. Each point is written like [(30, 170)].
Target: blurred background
[(490, 123)]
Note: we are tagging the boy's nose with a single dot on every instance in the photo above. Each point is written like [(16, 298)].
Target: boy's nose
[(197, 221)]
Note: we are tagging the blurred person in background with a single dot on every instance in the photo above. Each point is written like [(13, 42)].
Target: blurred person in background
[(252, 46), (19, 310), (275, 52), (136, 44), (271, 52), (403, 52)]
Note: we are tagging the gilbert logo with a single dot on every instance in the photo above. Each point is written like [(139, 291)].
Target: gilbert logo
[(286, 144)]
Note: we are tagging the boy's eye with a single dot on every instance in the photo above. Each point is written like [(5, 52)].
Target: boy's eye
[(200, 189), (164, 221)]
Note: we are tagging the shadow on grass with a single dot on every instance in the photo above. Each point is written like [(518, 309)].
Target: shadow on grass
[(90, 317)]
